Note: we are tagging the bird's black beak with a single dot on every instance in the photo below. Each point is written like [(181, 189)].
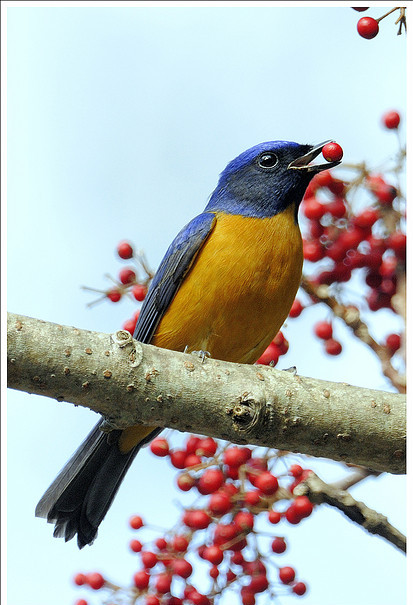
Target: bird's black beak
[(303, 162)]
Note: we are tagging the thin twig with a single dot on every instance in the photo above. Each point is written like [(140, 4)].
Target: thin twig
[(322, 493)]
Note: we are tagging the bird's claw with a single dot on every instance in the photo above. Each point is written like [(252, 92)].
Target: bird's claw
[(201, 354), (292, 370)]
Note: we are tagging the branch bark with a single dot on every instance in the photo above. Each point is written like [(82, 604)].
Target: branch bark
[(129, 382), (375, 523)]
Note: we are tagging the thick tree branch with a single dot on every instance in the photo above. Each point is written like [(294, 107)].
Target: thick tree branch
[(374, 522), (134, 383)]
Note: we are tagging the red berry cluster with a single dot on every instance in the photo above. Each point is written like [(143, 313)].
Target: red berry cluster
[(324, 331), (235, 489), (128, 282), (346, 240), (368, 27)]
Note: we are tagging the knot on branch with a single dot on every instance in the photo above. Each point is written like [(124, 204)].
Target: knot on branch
[(248, 413), (123, 338)]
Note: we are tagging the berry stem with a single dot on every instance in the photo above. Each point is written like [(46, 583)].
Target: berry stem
[(389, 13)]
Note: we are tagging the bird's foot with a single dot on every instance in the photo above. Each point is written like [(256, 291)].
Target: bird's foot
[(201, 354), (292, 370)]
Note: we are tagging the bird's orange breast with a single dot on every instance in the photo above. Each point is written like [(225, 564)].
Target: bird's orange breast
[(239, 290)]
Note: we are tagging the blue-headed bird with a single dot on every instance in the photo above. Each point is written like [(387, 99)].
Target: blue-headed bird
[(225, 286)]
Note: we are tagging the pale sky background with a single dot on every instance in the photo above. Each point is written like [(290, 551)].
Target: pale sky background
[(119, 123)]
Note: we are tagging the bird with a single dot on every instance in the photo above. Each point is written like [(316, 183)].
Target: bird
[(225, 286)]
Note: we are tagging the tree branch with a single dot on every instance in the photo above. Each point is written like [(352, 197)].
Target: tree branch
[(351, 317), (375, 523), (130, 383)]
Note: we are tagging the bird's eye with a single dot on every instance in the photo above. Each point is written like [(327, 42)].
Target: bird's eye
[(267, 160)]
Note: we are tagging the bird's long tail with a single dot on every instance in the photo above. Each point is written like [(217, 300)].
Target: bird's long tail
[(80, 496)]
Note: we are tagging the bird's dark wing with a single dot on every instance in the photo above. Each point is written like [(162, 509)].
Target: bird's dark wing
[(172, 270)]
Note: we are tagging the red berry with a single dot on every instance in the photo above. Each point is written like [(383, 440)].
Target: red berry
[(95, 580), (139, 292), (303, 506), (258, 583), (210, 481), (295, 470), (149, 559), (199, 599), (296, 308), (386, 194), (135, 545), (81, 602), (235, 456), (287, 575), (127, 276), (299, 588), (160, 447), (114, 295), (313, 251), (352, 237), (366, 218), (125, 250), (247, 596), (244, 521), (368, 27), (224, 533), (336, 251), (178, 458), (129, 325), (266, 483), (313, 209), (220, 504), (281, 343), (180, 543), (274, 517), (278, 545), (292, 516), (397, 242), (192, 444), (271, 354), (213, 554), (323, 330), (163, 583), (161, 543), (393, 342), (207, 447), (135, 522), (391, 120), (152, 599), (254, 468), (337, 208), (196, 519), (360, 9), (316, 229), (322, 179), (80, 579), (173, 601), (237, 558), (214, 572), (332, 152), (182, 568), (332, 347), (192, 460), (185, 482), (252, 498), (373, 279)]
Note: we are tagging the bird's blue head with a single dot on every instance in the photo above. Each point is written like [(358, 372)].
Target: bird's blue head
[(266, 179)]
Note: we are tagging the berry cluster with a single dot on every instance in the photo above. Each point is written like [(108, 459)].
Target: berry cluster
[(129, 282), (368, 27), (235, 490)]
